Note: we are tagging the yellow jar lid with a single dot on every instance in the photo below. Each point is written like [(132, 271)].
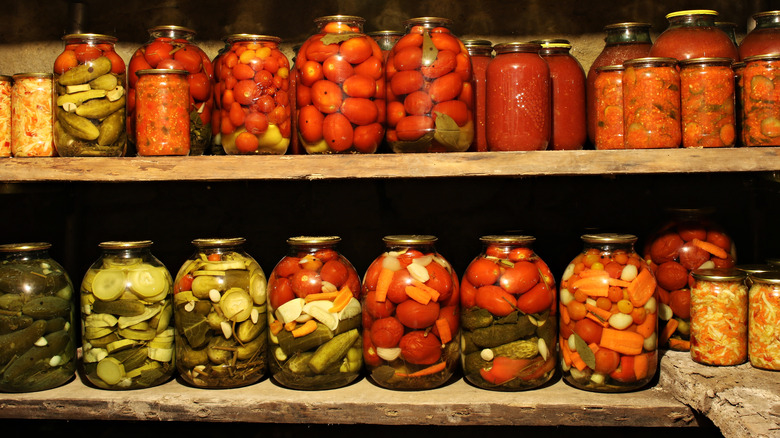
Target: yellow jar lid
[(692, 12)]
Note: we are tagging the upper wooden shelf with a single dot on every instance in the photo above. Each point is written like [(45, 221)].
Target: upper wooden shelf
[(316, 167)]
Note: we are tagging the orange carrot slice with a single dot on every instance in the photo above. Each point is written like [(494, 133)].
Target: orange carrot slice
[(648, 326), (667, 332), (593, 347), (290, 326), (623, 342), (433, 369), (308, 327), (383, 284), (321, 296), (577, 361), (641, 366), (617, 282), (679, 344), (429, 290), (341, 300), (276, 326), (445, 334), (593, 286), (641, 288), (603, 315), (711, 248), (588, 273), (565, 350), (417, 294)]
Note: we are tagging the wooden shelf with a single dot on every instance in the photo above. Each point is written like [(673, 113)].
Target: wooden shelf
[(322, 167)]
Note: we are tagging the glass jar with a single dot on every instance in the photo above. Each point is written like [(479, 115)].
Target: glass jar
[(517, 108), (693, 34), (90, 97), (220, 314), (430, 99), (314, 316), (707, 102), (509, 317), (760, 101), (608, 316), (411, 315), (719, 317), (481, 52), (31, 115), (608, 96), (739, 71), (764, 320), (162, 120), (386, 40), (127, 331), (623, 41), (730, 29), (340, 89), (37, 329), (174, 47), (216, 120), (764, 39), (688, 240), (651, 103), (5, 115), (253, 95)]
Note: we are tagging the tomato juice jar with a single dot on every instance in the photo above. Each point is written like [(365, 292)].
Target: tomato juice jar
[(518, 108), (38, 319), (707, 103), (411, 318), (220, 314), (623, 41), (314, 316), (508, 315), (608, 95), (340, 89), (608, 316), (761, 101), (719, 317), (430, 95), (162, 120), (651, 103), (764, 320), (693, 34), (31, 115), (764, 39), (481, 52), (5, 115)]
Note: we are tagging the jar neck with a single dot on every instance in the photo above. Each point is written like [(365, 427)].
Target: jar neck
[(127, 253), (767, 21), (628, 35), (176, 34), (479, 51), (419, 25), (36, 254), (551, 51), (339, 25), (693, 20)]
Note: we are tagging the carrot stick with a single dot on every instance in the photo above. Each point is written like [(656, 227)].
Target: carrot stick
[(617, 282), (668, 331), (429, 290), (383, 284), (565, 317), (593, 286), (711, 248), (305, 329), (641, 366), (445, 334), (321, 296), (341, 300), (648, 326), (417, 294), (598, 311), (276, 326), (565, 350), (593, 347), (641, 288), (588, 273), (679, 344), (577, 361), (290, 326), (433, 369), (597, 320), (623, 342)]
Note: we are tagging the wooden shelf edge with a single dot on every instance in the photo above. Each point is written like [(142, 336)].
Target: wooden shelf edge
[(379, 166)]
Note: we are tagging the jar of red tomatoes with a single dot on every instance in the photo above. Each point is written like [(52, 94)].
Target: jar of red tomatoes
[(481, 52), (162, 121), (608, 95), (651, 103), (760, 101), (707, 103), (518, 107), (764, 38), (411, 315), (508, 315), (430, 96), (623, 41), (314, 316), (608, 316), (340, 89), (693, 34), (764, 320), (5, 115), (567, 81), (252, 94), (31, 115)]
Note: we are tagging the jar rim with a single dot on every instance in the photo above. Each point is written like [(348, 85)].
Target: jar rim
[(517, 46), (628, 25), (33, 75), (338, 17), (125, 244), (171, 27), (92, 36), (613, 67), (313, 240), (609, 238), (236, 37), (768, 277), (218, 241), (386, 33), (445, 22), (705, 60), (726, 274), (410, 238), (552, 43), (692, 12), (6, 78), (161, 71), (752, 269), (25, 247), (766, 14), (763, 57), (651, 60), (478, 43), (507, 238)]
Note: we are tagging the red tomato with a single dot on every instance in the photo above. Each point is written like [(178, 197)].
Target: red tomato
[(156, 52), (310, 73), (317, 51), (86, 52), (190, 58), (336, 69), (404, 82), (455, 109), (482, 272), (334, 272), (691, 256), (689, 231), (468, 294), (680, 302), (136, 63), (520, 278), (185, 283), (353, 283), (518, 254), (280, 292), (326, 96), (243, 71), (310, 124), (720, 239), (356, 50), (200, 86), (369, 351), (244, 92), (417, 316), (247, 143), (372, 274), (287, 267), (408, 40), (117, 63), (607, 360), (671, 275), (368, 138), (411, 128), (446, 87), (271, 65), (536, 300), (375, 308), (65, 61), (371, 67), (666, 248), (359, 111), (445, 62), (236, 114), (265, 104), (420, 348), (441, 280), (359, 86), (418, 103), (720, 263), (395, 112), (445, 42), (495, 300), (256, 123), (306, 282), (625, 372), (397, 290), (588, 330), (408, 58), (337, 131), (386, 332)]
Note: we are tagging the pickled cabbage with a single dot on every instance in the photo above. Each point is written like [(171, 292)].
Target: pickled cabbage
[(719, 323), (764, 346), (5, 118), (31, 115)]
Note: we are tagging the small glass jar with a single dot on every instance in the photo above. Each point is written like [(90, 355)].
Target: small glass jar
[(31, 115), (411, 315), (764, 320), (693, 34), (126, 317), (707, 103), (760, 101), (386, 39), (608, 95), (5, 115), (508, 314), (253, 95), (314, 316), (220, 314), (651, 103), (481, 52), (608, 316), (719, 317), (430, 97), (162, 119), (37, 328), (764, 39), (517, 109), (340, 89), (90, 98), (174, 47)]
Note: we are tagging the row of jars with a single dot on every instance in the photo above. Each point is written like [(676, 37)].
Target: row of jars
[(421, 92), (411, 321)]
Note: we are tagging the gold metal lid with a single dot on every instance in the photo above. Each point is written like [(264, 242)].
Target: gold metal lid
[(768, 277), (171, 27), (692, 12), (507, 239), (439, 21), (517, 46), (381, 33), (628, 25), (129, 244), (609, 238), (650, 61), (24, 247), (730, 274), (250, 37), (410, 239), (33, 75), (553, 43), (6, 78), (764, 14), (329, 18), (764, 57), (219, 242), (314, 240), (73, 37), (705, 61), (613, 67), (754, 268)]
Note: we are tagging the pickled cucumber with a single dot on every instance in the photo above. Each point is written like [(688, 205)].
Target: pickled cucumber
[(13, 323), (522, 349), (99, 108), (476, 318), (332, 351), (84, 73), (108, 285), (119, 307), (111, 128), (106, 82), (55, 345), (77, 125), (499, 334), (148, 281), (18, 342), (250, 349), (291, 345), (46, 307), (80, 97)]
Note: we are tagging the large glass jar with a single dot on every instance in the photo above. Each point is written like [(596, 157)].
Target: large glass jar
[(760, 101), (216, 119), (517, 109), (608, 313), (340, 89), (719, 317), (90, 98), (253, 95), (37, 331), (174, 47), (608, 113), (220, 314), (693, 34), (126, 311), (481, 52), (764, 38), (651, 103), (5, 115), (707, 103), (314, 316), (508, 315), (764, 320), (162, 120), (430, 97), (410, 300), (623, 41), (687, 241), (386, 40), (31, 115)]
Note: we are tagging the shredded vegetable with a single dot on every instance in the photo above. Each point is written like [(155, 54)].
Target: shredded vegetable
[(5, 117), (719, 322), (764, 328), (31, 116)]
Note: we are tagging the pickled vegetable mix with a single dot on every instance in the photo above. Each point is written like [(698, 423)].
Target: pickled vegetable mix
[(764, 321), (5, 116), (761, 101), (608, 92), (31, 116), (651, 103), (719, 317), (707, 94), (162, 121)]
